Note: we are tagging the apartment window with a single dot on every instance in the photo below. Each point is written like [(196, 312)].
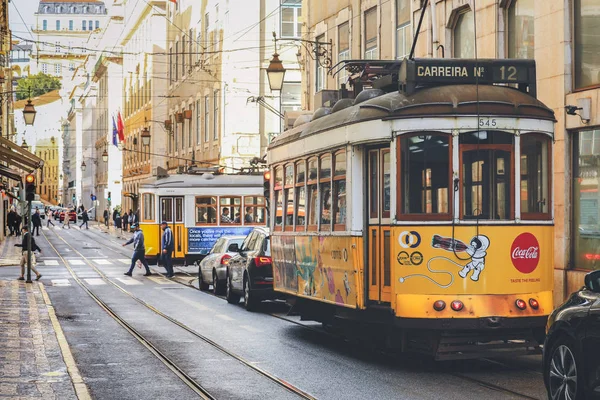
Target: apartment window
[(170, 64), (183, 56), (520, 29), (291, 96), (371, 34), (291, 22), (198, 46), (464, 36), (198, 124), (83, 25), (587, 43), (71, 25), (403, 28), (176, 61), (57, 47), (57, 69), (320, 70), (58, 25), (176, 134), (190, 48), (344, 48), (206, 31), (45, 25), (44, 68), (190, 123), (91, 25), (97, 24), (216, 115), (206, 118)]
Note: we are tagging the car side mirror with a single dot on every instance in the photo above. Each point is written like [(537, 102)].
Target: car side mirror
[(233, 248), (592, 281)]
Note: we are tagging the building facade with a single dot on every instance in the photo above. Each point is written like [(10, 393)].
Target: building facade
[(47, 176), (562, 36)]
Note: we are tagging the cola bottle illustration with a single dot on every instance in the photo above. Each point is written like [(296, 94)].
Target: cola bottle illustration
[(448, 244)]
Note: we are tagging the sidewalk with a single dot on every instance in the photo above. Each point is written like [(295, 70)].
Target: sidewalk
[(9, 254), (35, 360)]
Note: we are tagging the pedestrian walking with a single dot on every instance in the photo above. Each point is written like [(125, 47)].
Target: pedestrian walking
[(114, 216), (125, 221), (131, 218), (10, 221), (139, 251), (84, 218), (49, 217), (168, 246), (66, 220), (24, 247), (106, 214), (36, 221), (17, 226)]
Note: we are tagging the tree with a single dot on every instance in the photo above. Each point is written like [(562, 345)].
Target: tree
[(39, 84)]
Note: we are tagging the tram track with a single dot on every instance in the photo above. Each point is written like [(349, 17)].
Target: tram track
[(172, 365), (480, 382)]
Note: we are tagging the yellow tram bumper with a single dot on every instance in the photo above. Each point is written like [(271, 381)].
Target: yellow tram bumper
[(474, 306)]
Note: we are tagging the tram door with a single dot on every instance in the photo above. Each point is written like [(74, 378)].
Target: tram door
[(171, 211), (379, 232)]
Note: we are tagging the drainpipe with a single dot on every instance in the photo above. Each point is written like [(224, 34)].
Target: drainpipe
[(434, 28)]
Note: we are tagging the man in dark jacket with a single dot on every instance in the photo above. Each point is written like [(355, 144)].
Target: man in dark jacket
[(167, 246), (84, 218), (139, 251), (106, 217), (17, 226), (10, 221), (115, 214), (36, 221), (34, 247)]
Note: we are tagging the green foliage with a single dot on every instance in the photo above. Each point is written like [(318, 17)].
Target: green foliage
[(39, 84)]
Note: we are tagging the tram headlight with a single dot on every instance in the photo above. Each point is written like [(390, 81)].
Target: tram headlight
[(521, 305)]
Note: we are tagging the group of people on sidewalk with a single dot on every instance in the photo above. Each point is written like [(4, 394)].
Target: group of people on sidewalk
[(139, 250), (121, 221)]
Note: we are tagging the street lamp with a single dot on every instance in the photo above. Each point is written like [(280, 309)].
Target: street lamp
[(29, 113), (105, 156), (145, 137), (24, 145), (83, 166), (275, 73)]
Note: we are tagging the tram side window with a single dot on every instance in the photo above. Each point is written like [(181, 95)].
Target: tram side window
[(289, 196), (325, 192), (278, 189), (535, 168), (312, 192), (206, 210), (230, 210), (339, 191), (254, 210), (425, 174), (148, 207), (300, 205)]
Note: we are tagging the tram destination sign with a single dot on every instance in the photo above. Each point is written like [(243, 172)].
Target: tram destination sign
[(432, 71)]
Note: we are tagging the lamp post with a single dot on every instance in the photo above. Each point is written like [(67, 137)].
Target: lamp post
[(145, 137), (105, 156), (29, 113)]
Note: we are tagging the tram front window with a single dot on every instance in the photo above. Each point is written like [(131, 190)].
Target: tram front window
[(425, 174)]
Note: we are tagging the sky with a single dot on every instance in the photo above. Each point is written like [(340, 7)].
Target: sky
[(26, 8)]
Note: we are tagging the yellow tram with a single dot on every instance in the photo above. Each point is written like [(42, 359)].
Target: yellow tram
[(200, 208), (422, 208)]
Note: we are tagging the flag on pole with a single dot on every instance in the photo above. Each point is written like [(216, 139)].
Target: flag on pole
[(115, 141), (120, 127), (173, 1)]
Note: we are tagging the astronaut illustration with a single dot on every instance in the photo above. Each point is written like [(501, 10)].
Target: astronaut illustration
[(477, 250)]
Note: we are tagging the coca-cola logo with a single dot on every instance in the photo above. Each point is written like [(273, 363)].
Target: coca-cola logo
[(525, 253)]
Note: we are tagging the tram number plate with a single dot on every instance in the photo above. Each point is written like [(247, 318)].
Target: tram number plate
[(488, 123)]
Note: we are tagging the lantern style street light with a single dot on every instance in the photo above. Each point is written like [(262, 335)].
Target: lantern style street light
[(83, 166), (105, 156), (275, 73), (29, 113), (24, 145), (145, 137)]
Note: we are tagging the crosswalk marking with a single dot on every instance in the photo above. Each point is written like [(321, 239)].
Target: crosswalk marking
[(129, 281), (61, 282), (50, 262), (124, 261), (95, 281), (76, 262), (102, 262), (160, 280)]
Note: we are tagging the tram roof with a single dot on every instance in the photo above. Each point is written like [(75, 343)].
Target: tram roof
[(439, 101), (204, 180)]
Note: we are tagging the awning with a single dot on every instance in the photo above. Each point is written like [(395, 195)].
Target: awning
[(17, 157), (9, 173)]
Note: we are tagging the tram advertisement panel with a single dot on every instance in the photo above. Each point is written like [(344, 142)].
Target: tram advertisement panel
[(316, 267), (475, 260), (201, 240)]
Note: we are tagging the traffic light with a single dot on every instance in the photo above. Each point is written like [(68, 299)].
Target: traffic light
[(30, 187), (108, 198), (267, 184)]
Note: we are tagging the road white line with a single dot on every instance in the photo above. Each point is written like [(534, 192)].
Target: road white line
[(95, 281), (76, 262), (50, 262), (225, 317), (124, 261), (102, 262), (129, 281), (61, 282)]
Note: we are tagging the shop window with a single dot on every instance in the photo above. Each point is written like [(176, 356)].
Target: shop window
[(300, 191), (587, 43), (230, 210), (312, 192), (289, 197), (148, 207), (463, 40), (254, 210), (278, 191), (424, 173), (520, 29), (206, 210), (535, 176), (339, 191)]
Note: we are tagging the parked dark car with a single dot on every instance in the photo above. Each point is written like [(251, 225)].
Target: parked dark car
[(572, 348), (250, 272), (213, 267)]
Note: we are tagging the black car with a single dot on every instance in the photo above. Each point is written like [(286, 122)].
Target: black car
[(572, 348), (250, 272)]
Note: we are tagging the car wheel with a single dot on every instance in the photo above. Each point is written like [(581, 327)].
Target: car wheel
[(232, 298), (217, 284), (249, 299), (203, 285), (563, 372)]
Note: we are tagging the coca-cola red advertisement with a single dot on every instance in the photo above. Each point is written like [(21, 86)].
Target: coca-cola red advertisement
[(525, 253)]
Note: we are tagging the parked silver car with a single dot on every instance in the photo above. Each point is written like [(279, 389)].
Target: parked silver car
[(213, 268)]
